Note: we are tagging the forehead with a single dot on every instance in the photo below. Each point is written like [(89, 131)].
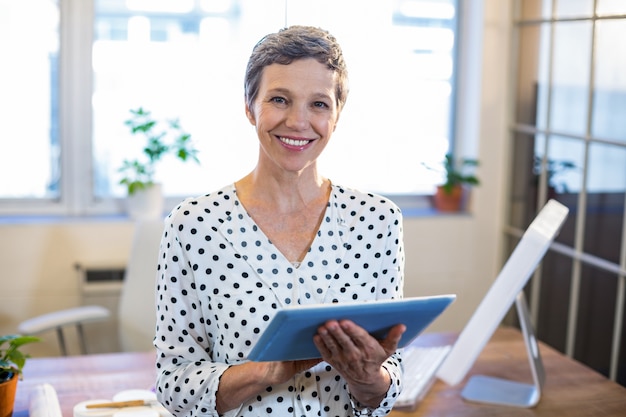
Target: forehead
[(303, 75)]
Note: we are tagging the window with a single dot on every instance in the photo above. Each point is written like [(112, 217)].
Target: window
[(29, 46), (569, 143), (185, 60)]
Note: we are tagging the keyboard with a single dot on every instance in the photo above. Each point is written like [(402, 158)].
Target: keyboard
[(420, 365)]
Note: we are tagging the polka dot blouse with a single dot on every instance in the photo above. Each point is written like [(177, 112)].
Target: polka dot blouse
[(220, 281)]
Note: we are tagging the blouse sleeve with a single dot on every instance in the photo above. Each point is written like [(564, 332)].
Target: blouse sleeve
[(392, 365), (391, 287), (187, 378)]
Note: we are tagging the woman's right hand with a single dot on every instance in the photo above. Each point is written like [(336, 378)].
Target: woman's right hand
[(241, 382)]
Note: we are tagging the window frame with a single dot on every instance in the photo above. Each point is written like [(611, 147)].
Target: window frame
[(573, 251), (75, 117)]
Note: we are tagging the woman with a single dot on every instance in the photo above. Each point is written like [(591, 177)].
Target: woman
[(280, 236)]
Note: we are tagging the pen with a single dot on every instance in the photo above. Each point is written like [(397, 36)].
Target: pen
[(117, 404)]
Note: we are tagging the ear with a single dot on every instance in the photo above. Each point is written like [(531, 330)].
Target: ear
[(250, 115)]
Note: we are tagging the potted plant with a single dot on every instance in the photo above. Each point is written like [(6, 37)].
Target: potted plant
[(12, 361), (458, 175), (161, 138)]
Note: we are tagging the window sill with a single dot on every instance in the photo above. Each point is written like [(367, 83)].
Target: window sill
[(416, 206), (412, 206), (61, 219)]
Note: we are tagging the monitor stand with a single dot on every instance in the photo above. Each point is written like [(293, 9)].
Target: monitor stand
[(491, 390)]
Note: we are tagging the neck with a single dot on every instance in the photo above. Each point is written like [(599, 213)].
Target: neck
[(286, 193)]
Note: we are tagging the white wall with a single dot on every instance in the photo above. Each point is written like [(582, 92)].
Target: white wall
[(463, 254), (37, 265), (445, 254)]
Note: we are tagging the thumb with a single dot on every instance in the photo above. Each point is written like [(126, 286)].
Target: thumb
[(390, 343)]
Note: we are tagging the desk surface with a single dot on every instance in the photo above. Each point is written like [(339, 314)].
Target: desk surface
[(571, 389)]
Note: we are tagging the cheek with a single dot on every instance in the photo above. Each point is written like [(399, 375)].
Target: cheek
[(262, 114), (332, 125), (328, 125)]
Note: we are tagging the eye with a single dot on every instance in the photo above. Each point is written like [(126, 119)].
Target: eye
[(278, 100), (320, 105)]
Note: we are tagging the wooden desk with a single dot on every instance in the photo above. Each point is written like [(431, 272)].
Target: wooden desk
[(571, 389), (85, 377)]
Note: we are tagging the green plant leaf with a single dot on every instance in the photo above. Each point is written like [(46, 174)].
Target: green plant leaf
[(11, 358), (159, 141)]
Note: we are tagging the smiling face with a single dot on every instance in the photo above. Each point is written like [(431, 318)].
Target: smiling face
[(295, 114)]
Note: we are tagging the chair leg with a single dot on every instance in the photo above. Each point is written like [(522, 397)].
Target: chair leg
[(81, 337), (61, 338)]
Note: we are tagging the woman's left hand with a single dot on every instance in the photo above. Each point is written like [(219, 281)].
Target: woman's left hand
[(358, 357)]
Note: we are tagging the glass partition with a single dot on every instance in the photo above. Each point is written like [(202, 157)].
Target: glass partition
[(571, 66), (609, 99), (570, 101)]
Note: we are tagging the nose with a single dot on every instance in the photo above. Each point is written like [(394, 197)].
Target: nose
[(297, 117)]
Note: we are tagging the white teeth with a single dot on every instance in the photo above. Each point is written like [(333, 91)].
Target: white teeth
[(294, 142)]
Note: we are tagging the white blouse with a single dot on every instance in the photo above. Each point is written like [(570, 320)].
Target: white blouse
[(220, 281)]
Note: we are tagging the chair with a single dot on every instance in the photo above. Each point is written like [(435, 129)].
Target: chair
[(136, 309), (58, 320)]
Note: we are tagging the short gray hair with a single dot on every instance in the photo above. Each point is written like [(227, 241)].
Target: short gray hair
[(290, 44)]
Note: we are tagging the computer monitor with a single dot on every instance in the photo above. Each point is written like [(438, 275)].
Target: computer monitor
[(504, 292)]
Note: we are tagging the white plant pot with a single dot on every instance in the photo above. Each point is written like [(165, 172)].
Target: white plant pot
[(146, 204)]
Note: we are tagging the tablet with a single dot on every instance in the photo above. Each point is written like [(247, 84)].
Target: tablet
[(289, 335)]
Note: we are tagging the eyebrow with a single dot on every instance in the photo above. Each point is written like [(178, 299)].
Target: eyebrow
[(285, 91)]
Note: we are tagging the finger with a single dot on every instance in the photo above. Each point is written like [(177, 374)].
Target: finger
[(326, 335), (353, 331), (390, 343), (321, 346), (346, 334), (361, 337)]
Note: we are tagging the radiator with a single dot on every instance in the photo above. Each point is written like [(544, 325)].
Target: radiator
[(101, 285)]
